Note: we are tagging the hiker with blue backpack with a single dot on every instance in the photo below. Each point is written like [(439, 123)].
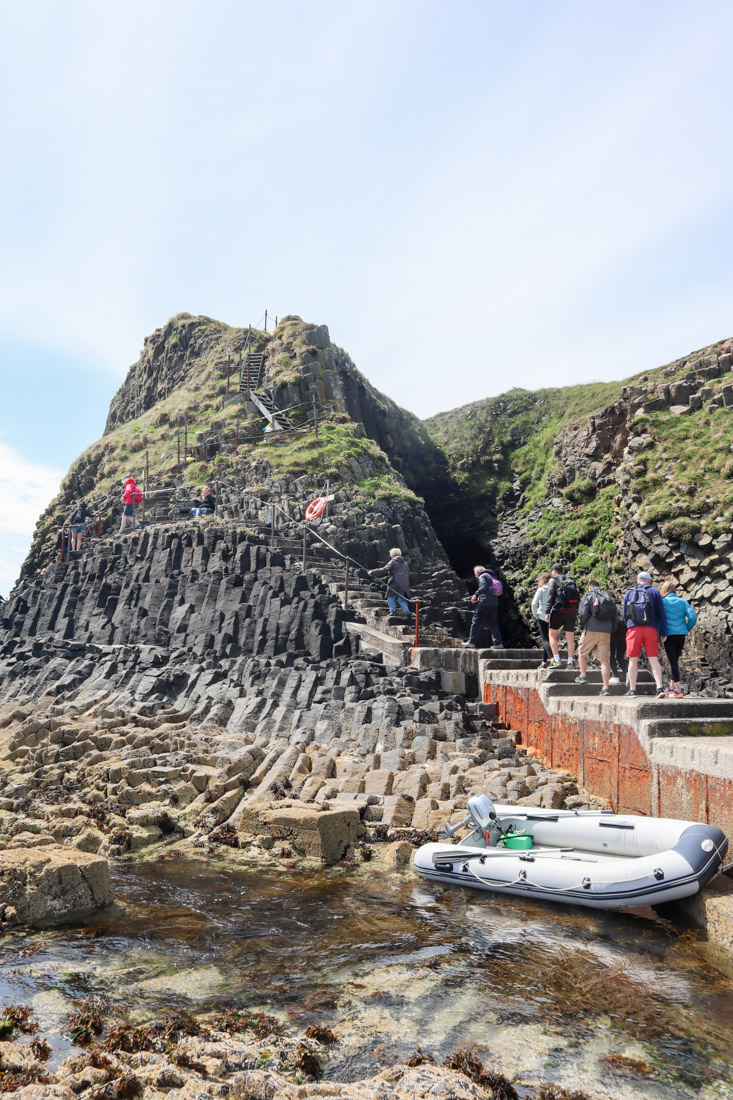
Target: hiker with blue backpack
[(597, 616), (563, 602), (646, 622), (486, 599)]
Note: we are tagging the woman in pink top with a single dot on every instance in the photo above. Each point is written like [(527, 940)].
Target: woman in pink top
[(131, 497)]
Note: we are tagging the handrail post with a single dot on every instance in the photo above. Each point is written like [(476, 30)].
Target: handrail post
[(346, 585), (304, 548), (99, 527), (229, 369), (417, 623)]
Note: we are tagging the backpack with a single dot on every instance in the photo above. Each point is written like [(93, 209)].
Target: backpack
[(137, 497), (602, 606), (567, 594), (495, 586), (639, 607)]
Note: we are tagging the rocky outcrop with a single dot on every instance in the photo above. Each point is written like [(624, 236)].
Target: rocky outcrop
[(42, 883), (170, 356)]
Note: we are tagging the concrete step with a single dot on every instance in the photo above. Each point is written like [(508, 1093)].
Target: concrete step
[(593, 675), (393, 650), (502, 663), (591, 689), (690, 709), (689, 727)]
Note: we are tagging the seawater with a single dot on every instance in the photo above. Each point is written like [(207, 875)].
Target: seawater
[(620, 1005)]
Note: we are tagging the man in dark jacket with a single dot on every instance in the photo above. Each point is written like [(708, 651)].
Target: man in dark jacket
[(397, 572), (646, 623), (487, 609), (597, 616)]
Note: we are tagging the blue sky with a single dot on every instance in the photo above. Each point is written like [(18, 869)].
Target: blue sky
[(472, 196)]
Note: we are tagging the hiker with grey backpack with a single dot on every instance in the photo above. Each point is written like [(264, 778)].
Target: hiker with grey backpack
[(597, 616), (563, 601), (646, 623)]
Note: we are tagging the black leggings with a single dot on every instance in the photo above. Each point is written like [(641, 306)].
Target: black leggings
[(673, 648), (619, 664), (545, 635)]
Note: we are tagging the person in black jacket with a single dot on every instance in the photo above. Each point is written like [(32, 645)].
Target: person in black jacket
[(397, 572), (78, 524), (207, 507), (486, 599)]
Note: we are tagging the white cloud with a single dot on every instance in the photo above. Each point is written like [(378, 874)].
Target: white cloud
[(25, 490)]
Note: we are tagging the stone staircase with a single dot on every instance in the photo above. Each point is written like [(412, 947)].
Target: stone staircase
[(380, 632)]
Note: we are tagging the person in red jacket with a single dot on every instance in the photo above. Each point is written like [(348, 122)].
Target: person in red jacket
[(131, 497)]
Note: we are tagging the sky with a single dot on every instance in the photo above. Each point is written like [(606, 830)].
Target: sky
[(472, 196)]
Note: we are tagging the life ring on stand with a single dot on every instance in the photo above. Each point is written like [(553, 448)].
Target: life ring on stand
[(316, 508)]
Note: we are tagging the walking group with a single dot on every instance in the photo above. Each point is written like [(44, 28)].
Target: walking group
[(615, 632)]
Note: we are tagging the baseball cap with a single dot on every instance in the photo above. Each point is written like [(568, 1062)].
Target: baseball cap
[(556, 568), (644, 577)]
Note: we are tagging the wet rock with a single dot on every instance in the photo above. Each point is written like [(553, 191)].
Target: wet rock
[(52, 884), (316, 834)]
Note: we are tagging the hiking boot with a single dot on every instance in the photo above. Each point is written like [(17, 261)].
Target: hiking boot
[(581, 680), (605, 691), (631, 692)]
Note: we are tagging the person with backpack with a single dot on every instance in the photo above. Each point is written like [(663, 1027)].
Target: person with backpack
[(397, 572), (646, 622), (597, 616), (539, 608), (563, 601), (681, 618), (78, 525), (486, 599), (131, 497)]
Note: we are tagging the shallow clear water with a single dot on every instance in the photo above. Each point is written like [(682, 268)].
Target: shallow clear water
[(620, 1005)]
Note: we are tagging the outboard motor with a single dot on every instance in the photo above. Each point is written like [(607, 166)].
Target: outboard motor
[(481, 818), (482, 815), (481, 811)]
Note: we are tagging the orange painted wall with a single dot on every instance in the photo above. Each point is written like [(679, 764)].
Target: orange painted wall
[(609, 761)]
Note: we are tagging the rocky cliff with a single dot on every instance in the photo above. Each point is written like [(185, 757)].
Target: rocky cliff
[(608, 479), (605, 477)]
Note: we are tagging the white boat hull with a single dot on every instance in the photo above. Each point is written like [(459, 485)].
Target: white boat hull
[(601, 860)]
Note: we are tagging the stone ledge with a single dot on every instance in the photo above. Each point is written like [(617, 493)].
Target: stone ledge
[(51, 884), (316, 834)]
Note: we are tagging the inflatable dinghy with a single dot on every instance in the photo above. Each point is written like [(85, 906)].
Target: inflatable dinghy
[(600, 859)]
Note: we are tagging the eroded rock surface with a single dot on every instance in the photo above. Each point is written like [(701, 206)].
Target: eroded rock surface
[(48, 883)]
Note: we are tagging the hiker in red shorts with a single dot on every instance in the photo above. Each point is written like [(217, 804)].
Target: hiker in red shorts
[(646, 622)]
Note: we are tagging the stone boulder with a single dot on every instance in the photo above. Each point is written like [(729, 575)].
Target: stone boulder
[(317, 834), (49, 885)]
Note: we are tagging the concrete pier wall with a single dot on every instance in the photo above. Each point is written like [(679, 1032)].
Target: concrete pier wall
[(658, 758)]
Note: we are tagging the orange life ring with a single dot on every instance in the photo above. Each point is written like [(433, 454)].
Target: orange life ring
[(316, 508)]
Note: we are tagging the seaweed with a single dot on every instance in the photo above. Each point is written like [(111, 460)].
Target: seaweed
[(466, 1061)]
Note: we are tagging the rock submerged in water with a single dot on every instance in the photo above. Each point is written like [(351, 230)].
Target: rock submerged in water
[(51, 885)]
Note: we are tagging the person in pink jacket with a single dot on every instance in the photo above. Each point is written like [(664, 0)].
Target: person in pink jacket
[(131, 497)]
